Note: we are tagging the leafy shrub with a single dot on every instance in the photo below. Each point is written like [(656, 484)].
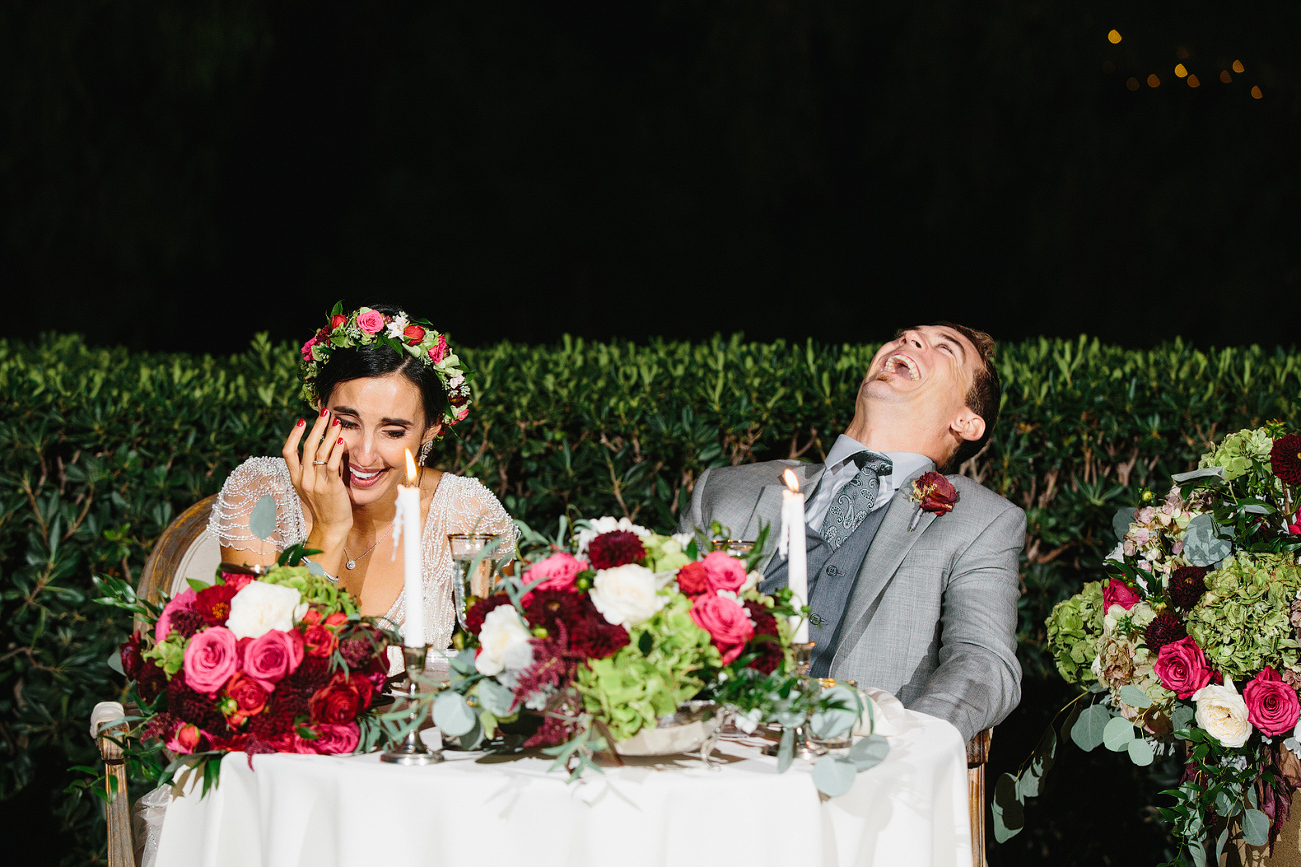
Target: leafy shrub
[(101, 448)]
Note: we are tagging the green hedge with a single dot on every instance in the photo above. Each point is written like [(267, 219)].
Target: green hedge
[(99, 449)]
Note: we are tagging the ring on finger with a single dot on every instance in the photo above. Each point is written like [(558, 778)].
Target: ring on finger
[(318, 463)]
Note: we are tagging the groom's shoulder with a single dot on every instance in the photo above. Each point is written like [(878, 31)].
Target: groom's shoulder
[(978, 499), (762, 473)]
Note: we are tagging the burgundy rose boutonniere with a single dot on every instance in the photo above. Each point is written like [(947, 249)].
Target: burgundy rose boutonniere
[(932, 493)]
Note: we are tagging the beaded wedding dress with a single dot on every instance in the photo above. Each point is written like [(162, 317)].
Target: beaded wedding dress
[(460, 505)]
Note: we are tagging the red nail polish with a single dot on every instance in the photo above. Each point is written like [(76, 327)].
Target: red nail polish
[(336, 422), (340, 440), (324, 412), (301, 422)]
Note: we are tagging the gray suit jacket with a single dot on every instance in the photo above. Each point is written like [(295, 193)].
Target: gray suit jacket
[(932, 617)]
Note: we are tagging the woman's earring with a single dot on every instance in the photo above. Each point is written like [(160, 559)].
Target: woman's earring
[(424, 451)]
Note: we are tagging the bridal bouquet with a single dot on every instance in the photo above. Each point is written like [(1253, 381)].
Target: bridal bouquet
[(609, 630), (1190, 646), (280, 662)]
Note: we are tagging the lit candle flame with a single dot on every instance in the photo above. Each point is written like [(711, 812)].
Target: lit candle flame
[(791, 482), (411, 468)]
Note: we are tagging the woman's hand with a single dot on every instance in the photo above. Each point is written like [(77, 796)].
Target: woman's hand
[(318, 478)]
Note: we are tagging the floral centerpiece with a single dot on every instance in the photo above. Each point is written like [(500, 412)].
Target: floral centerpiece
[(279, 662), (613, 627), (1190, 646)]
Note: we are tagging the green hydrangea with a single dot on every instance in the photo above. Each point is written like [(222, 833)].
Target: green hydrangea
[(313, 588), (1239, 452), (664, 553), (1243, 623), (657, 671), (1075, 632), (168, 654)]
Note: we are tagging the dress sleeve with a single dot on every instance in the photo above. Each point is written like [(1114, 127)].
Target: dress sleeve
[(245, 486), (479, 511)]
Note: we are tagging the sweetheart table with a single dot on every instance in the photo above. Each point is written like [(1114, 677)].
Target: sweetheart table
[(481, 809)]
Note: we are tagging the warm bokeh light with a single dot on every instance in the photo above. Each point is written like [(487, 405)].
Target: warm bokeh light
[(1132, 84), (1238, 67), (1225, 77), (1181, 70), (1181, 53), (1255, 93), (1153, 81), (1192, 81), (1113, 37)]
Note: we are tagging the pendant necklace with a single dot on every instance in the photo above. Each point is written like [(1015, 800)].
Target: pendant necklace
[(352, 561)]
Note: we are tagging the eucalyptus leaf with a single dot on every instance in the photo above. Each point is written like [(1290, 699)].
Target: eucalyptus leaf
[(453, 716), (1030, 782), (869, 752), (1008, 809), (786, 750), (314, 568), (1118, 734), (1183, 717), (1228, 801), (1089, 727), (1193, 475), (498, 700), (262, 520), (1134, 697), (114, 662), (1203, 544), (835, 722), (834, 775), (1140, 752), (1255, 828), (1121, 520)]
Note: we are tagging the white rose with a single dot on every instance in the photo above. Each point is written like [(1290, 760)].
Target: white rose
[(503, 642), (625, 595), (1223, 713), (261, 607)]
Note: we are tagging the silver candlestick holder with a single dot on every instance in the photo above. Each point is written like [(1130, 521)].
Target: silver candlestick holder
[(805, 746), (412, 750)]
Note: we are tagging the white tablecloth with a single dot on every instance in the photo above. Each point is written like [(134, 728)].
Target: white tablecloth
[(320, 811)]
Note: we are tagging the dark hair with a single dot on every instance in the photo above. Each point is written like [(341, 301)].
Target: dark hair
[(984, 396), (376, 359)]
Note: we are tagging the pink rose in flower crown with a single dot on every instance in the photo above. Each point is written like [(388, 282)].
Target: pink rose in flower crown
[(1117, 592), (557, 571), (727, 623), (335, 738), (438, 351), (461, 414), (210, 660), (1182, 667), (272, 656), (1272, 705), (188, 739), (371, 322), (307, 349), (723, 571), (186, 601)]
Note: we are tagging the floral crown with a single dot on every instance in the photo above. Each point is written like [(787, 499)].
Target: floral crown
[(416, 337)]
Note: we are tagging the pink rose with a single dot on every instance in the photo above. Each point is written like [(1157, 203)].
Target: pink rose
[(276, 653), (186, 601), (727, 623), (210, 660), (1117, 592), (334, 738), (461, 414), (558, 571), (723, 571), (1182, 667), (438, 351), (1272, 705), (186, 740), (307, 349), (371, 322)]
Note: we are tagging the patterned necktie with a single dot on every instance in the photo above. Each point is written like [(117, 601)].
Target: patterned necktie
[(854, 501)]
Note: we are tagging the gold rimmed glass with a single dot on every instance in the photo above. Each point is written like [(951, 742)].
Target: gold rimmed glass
[(474, 568)]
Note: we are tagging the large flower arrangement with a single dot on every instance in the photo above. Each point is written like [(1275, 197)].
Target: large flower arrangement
[(1190, 646), (614, 627), (280, 662)]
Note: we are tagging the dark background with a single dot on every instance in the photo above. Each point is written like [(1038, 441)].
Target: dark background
[(180, 175)]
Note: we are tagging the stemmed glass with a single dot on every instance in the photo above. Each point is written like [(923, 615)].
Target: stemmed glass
[(474, 562), (739, 548)]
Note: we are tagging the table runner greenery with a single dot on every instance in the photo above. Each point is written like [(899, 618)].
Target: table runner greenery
[(100, 448)]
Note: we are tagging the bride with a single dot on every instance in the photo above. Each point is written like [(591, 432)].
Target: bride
[(381, 384)]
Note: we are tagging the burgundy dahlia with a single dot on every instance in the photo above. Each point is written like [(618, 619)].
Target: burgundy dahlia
[(1187, 585), (192, 707), (1285, 459), (765, 643), (1164, 629), (187, 622), (618, 548), (296, 690)]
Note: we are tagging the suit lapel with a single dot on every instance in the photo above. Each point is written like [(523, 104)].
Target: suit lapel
[(892, 543), (768, 508)]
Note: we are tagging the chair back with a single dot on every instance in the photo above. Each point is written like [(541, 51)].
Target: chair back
[(184, 551)]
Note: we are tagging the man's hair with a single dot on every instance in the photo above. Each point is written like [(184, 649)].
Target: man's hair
[(983, 397)]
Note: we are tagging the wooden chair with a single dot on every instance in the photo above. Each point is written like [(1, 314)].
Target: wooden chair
[(183, 551), (977, 755)]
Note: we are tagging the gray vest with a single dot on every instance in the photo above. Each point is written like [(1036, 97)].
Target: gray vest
[(832, 575)]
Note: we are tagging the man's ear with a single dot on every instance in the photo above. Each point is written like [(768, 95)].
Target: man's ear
[(968, 425)]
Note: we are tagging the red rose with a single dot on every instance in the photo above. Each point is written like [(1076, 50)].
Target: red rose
[(189, 738), (693, 579), (1117, 592), (320, 640), (1272, 705), (341, 700), (336, 619), (332, 739), (934, 493), (414, 334), (132, 660), (248, 694), (1182, 667), (726, 621), (312, 617), (617, 548), (336, 320)]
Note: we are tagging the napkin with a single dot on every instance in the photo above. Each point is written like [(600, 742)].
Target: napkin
[(885, 715)]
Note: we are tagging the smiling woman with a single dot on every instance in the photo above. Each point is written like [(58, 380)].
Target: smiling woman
[(382, 385)]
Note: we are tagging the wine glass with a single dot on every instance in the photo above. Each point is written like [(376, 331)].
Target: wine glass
[(474, 561), (739, 548)]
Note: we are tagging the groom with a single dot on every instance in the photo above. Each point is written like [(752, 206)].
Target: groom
[(920, 604)]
